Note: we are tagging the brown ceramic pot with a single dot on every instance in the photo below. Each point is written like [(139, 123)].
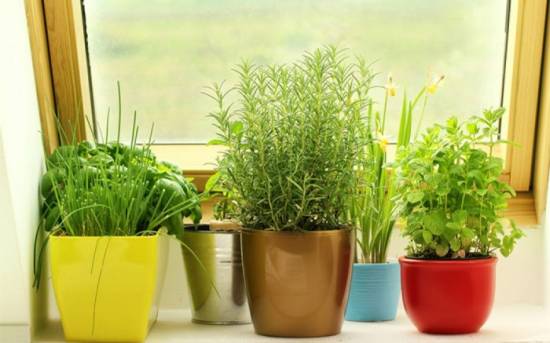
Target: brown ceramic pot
[(297, 282)]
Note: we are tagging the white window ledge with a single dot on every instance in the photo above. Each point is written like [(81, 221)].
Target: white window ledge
[(518, 323)]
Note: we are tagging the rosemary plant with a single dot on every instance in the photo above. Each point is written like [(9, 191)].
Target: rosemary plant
[(293, 138)]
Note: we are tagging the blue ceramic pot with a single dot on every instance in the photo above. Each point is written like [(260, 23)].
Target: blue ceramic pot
[(374, 292)]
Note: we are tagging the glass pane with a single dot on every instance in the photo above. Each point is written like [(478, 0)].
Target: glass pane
[(165, 52)]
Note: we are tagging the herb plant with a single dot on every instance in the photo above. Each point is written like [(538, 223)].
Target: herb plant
[(373, 210), (451, 192), (111, 189), (293, 139), (218, 187)]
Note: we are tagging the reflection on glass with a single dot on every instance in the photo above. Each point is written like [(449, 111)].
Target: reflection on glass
[(166, 52)]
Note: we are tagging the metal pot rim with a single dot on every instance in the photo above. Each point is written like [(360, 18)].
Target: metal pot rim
[(344, 229), (189, 228)]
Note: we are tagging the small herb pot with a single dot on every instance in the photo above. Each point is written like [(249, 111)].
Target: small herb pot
[(107, 288), (448, 296), (297, 282), (215, 279), (374, 292)]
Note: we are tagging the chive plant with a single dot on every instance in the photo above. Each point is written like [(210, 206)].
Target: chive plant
[(111, 189), (114, 189), (294, 138)]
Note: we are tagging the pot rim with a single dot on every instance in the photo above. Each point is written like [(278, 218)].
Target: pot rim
[(296, 233), (474, 261), (133, 237), (189, 228), (376, 265)]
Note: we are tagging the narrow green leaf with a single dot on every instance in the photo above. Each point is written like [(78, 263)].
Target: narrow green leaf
[(216, 141)]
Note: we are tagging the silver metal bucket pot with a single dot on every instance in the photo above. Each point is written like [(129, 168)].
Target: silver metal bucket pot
[(216, 283)]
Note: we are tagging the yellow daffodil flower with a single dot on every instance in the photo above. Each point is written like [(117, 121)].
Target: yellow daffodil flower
[(391, 88), (382, 141), (431, 88)]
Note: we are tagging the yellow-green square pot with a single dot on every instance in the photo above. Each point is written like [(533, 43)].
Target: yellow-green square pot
[(107, 288)]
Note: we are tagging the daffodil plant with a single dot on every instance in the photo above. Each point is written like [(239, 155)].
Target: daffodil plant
[(373, 210)]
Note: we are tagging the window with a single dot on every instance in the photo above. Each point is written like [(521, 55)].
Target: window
[(166, 52)]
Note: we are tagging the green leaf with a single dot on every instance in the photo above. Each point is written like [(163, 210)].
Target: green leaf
[(459, 216), (435, 222), (415, 197), (212, 182), (49, 179), (216, 141), (404, 126), (467, 233), (452, 124), (509, 189), (472, 128), (481, 192), (507, 246), (236, 127), (417, 237), (442, 249), (466, 242), (427, 235), (455, 245), (476, 175), (451, 231)]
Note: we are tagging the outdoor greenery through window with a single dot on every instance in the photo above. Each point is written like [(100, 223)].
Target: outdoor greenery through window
[(165, 52)]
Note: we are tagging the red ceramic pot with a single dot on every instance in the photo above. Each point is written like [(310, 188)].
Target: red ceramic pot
[(448, 296)]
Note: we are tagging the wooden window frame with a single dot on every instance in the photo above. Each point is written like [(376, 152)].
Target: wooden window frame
[(63, 86), (528, 22), (542, 147)]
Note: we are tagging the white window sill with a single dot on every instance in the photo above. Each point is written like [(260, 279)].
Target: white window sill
[(519, 323)]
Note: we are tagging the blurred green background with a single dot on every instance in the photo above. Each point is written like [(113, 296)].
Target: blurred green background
[(166, 52)]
